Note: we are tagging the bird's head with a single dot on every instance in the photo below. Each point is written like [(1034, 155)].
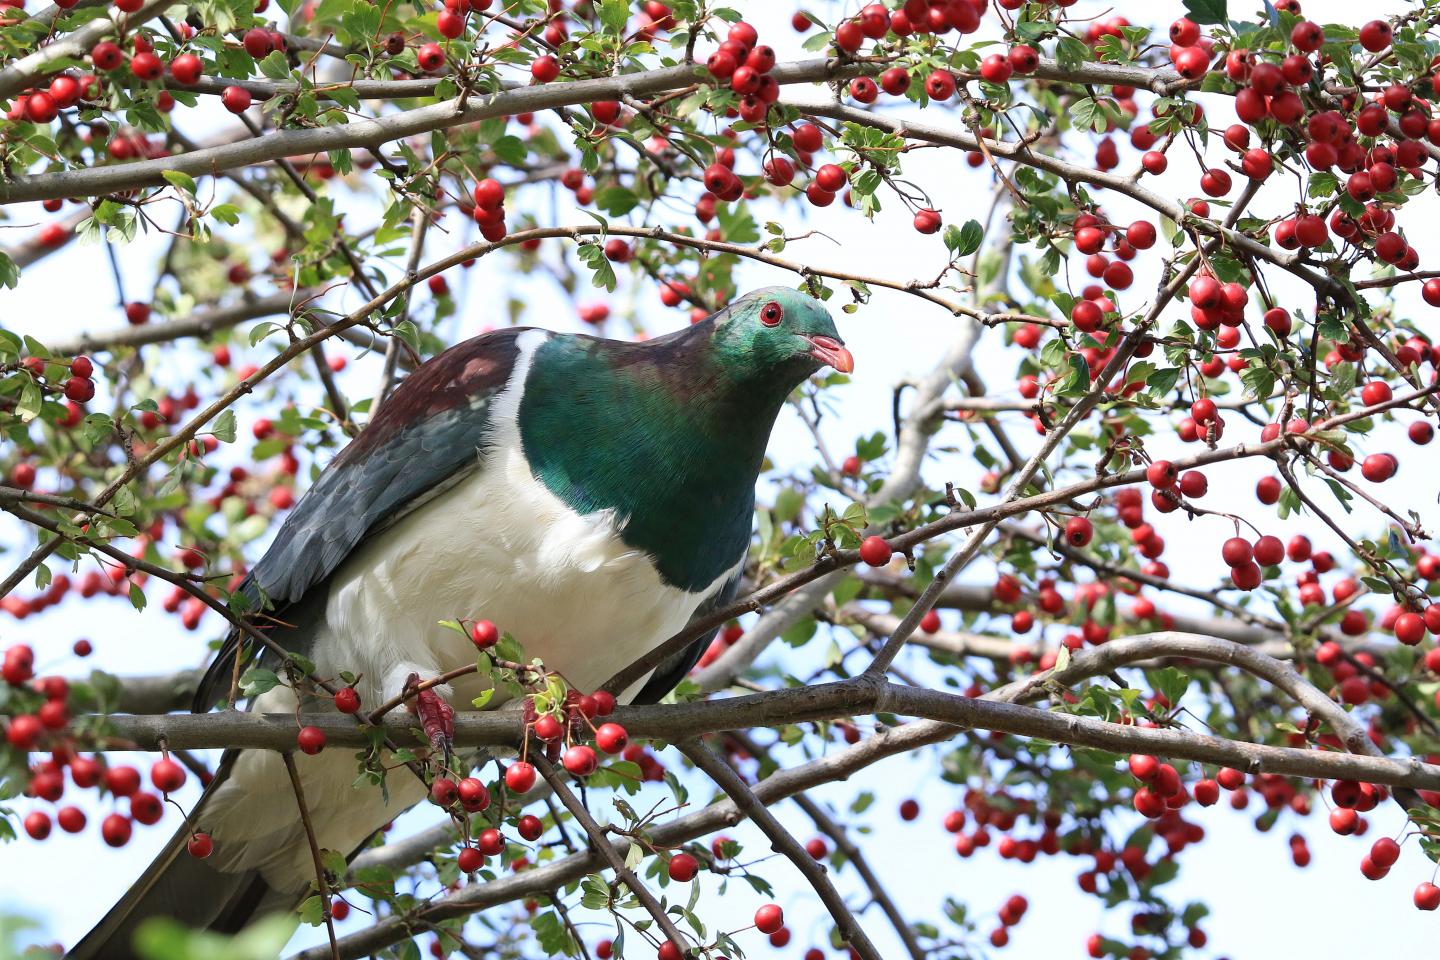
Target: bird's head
[(779, 333)]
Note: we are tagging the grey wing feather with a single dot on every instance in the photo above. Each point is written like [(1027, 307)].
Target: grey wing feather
[(413, 450)]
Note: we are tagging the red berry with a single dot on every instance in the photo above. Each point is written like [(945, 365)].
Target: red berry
[(430, 57), (347, 700), (1427, 896), (1161, 474), (484, 634), (940, 85), (520, 777), (311, 740), (1378, 467), (1375, 36), (257, 42), (769, 918), (490, 842), (1144, 767), (472, 794), (927, 221), (580, 761), (235, 99), (115, 829), (1078, 531), (167, 775), (37, 824), (469, 860), (200, 846), (683, 867), (71, 819), (875, 551), (1237, 551), (106, 55), (611, 738), (1230, 778)]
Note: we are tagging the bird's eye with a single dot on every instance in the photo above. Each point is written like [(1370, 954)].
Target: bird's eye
[(771, 314)]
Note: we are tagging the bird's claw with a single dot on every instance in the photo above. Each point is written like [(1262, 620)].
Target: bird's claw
[(437, 717)]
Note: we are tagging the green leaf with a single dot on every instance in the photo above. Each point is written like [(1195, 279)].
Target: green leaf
[(1206, 11), (30, 401), (224, 428), (275, 66), (963, 241), (616, 201), (1162, 381), (312, 911), (614, 14), (482, 701), (595, 259), (180, 180), (258, 680)]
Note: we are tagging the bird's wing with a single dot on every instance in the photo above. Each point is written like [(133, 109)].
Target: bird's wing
[(432, 432)]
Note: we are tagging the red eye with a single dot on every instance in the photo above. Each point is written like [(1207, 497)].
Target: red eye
[(771, 314)]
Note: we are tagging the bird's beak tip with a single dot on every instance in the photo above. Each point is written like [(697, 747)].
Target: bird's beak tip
[(832, 352)]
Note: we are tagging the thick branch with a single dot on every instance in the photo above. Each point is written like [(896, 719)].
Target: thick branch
[(25, 71), (200, 324), (380, 130), (827, 701)]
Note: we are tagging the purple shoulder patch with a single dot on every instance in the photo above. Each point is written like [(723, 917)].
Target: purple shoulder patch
[(480, 365)]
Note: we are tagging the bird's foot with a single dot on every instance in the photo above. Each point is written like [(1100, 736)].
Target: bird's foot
[(437, 717)]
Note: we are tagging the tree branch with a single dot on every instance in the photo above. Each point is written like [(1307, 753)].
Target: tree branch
[(782, 842)]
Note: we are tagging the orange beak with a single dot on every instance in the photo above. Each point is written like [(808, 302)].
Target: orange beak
[(830, 351)]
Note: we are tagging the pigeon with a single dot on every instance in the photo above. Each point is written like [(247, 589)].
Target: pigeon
[(588, 496)]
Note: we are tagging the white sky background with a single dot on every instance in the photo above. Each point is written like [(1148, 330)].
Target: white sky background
[(1262, 906)]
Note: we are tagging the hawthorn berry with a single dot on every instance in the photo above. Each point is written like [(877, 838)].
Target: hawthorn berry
[(520, 777), (1078, 531), (611, 738), (875, 552), (469, 859), (311, 740), (167, 775), (200, 845), (683, 867), (580, 761), (769, 918), (236, 99)]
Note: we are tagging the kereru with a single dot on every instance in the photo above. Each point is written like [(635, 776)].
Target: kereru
[(588, 496)]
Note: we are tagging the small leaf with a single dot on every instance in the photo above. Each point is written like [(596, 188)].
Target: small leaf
[(224, 428), (258, 680), (1206, 11), (180, 180)]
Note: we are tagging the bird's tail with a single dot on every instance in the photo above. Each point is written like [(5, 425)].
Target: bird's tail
[(187, 889)]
